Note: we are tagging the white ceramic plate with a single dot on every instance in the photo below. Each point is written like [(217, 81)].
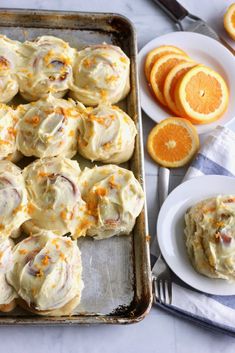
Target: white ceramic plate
[(203, 50), (170, 229)]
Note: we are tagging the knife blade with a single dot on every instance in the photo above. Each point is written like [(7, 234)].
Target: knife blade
[(178, 13)]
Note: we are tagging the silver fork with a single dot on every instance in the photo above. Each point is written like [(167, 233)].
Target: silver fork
[(162, 284), (161, 275)]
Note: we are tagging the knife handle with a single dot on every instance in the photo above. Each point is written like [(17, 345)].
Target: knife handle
[(173, 9)]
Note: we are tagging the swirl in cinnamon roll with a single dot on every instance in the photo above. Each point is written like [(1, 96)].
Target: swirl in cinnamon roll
[(55, 201), (46, 68), (8, 67), (101, 73), (7, 293), (47, 274), (106, 134), (13, 198), (8, 120), (48, 128), (115, 198)]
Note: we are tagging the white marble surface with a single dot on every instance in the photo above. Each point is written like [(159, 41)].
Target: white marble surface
[(159, 332)]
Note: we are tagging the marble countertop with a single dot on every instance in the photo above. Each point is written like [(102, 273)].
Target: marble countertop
[(159, 332)]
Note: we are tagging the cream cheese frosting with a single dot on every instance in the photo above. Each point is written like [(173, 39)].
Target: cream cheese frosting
[(101, 73), (107, 134), (7, 293), (48, 128), (9, 60), (13, 198), (55, 201), (114, 197), (8, 121), (47, 271), (46, 67), (210, 237)]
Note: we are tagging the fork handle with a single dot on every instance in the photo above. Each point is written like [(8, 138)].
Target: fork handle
[(163, 184), (173, 9)]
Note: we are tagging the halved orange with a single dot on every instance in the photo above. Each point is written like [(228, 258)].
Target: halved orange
[(171, 80), (173, 142), (156, 53), (160, 70), (201, 95), (229, 21)]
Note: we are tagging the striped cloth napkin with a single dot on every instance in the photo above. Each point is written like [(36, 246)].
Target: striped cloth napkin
[(216, 156)]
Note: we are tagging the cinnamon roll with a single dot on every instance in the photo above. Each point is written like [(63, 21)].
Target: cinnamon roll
[(114, 197), (48, 128), (101, 73), (13, 198), (46, 68), (8, 120), (7, 293), (9, 60), (106, 134), (210, 237), (55, 201), (47, 274)]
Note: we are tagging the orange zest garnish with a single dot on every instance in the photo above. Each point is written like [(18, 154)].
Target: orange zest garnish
[(4, 142), (112, 183), (123, 59), (45, 260), (22, 251), (101, 192), (43, 174), (11, 131), (63, 215), (62, 256), (103, 93), (55, 242), (17, 209), (35, 120), (31, 208)]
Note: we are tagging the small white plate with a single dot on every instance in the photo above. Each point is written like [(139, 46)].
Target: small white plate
[(202, 49), (170, 229)]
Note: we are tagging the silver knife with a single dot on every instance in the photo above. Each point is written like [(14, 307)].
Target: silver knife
[(186, 21)]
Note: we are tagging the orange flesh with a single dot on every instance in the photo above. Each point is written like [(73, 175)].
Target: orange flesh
[(174, 81), (172, 134), (203, 93), (157, 56), (163, 71)]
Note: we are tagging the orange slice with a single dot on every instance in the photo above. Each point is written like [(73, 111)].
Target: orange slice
[(201, 95), (170, 83), (156, 53), (229, 21), (173, 142), (160, 70)]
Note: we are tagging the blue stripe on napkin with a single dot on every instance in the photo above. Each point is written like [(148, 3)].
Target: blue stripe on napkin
[(208, 167)]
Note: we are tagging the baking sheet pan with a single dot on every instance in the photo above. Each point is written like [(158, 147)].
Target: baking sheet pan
[(116, 271)]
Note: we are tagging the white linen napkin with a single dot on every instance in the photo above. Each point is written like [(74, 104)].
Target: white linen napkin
[(216, 156)]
